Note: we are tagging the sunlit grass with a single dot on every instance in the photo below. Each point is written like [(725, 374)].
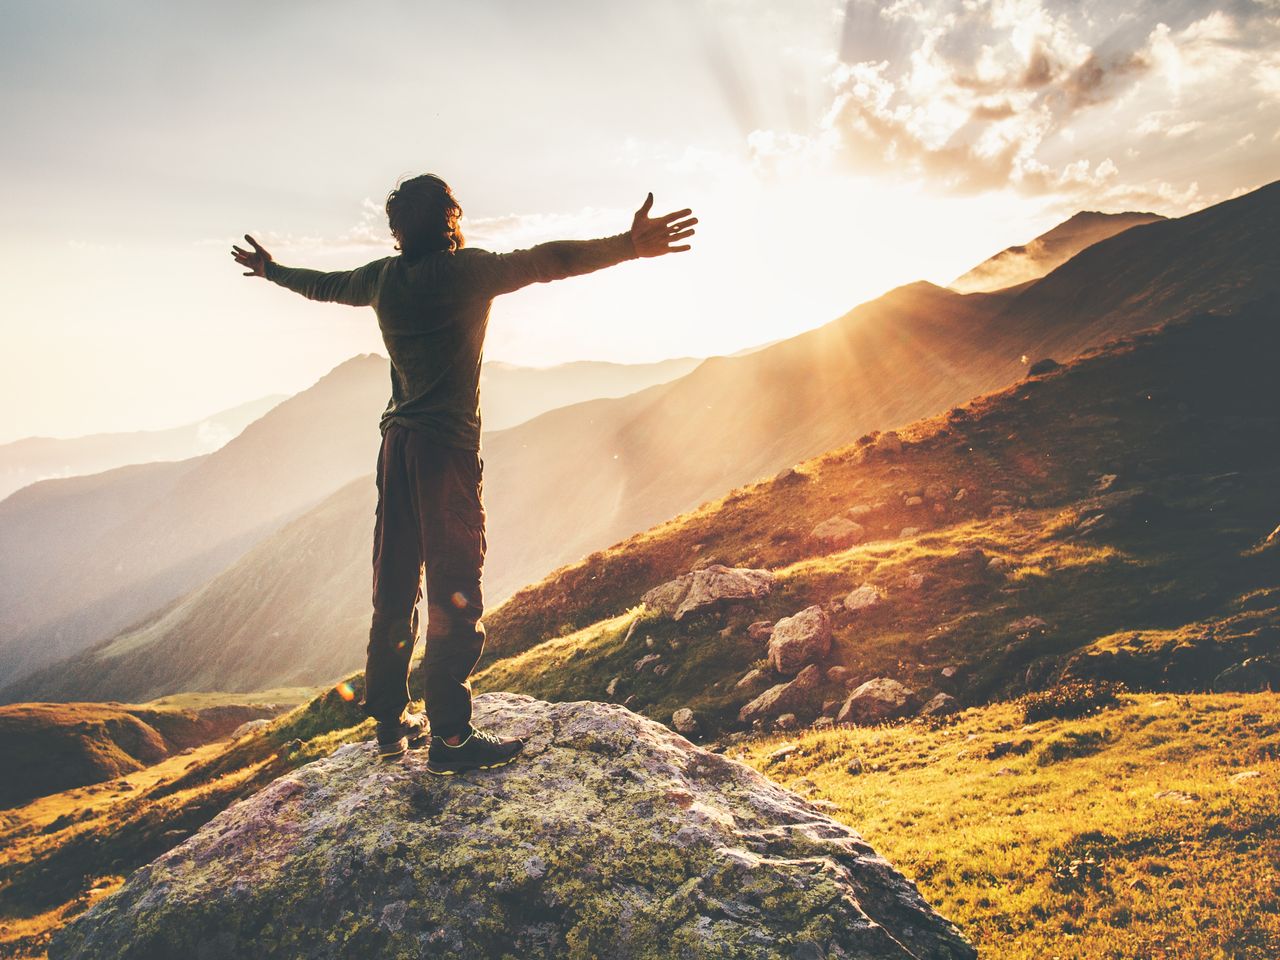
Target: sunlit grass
[(1119, 835)]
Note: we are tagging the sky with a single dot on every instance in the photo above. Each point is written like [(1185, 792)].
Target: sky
[(831, 151)]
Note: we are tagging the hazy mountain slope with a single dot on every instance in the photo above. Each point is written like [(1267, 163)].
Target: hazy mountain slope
[(511, 394), (1017, 265), (70, 584), (295, 607), (23, 462)]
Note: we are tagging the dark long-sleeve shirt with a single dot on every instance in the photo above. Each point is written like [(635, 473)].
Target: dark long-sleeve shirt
[(433, 312)]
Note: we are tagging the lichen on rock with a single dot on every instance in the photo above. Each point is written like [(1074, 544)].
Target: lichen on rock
[(612, 836)]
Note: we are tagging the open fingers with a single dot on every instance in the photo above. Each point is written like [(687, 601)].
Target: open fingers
[(254, 243), (683, 224), (680, 249), (683, 234), (675, 216)]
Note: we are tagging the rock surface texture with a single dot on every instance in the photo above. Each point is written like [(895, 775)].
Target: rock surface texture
[(612, 837), (707, 588)]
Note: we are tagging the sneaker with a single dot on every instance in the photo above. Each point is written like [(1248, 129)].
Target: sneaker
[(477, 751), (395, 737)]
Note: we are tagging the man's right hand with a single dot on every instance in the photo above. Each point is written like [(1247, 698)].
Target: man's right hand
[(654, 236), (256, 260)]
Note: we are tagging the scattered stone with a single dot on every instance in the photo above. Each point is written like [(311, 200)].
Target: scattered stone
[(998, 565), (1003, 772), (971, 555), (649, 643), (293, 746), (1027, 626), (786, 721), (750, 677), (794, 696), (1041, 367), (1254, 675), (838, 531), (913, 501), (760, 630), (876, 701), (708, 588), (746, 864), (685, 722), (823, 723), (662, 669), (1122, 510), (799, 640), (863, 598), (780, 754), (936, 491), (645, 661), (906, 532), (838, 674), (789, 476), (941, 705), (889, 442), (860, 510), (915, 581), (1104, 482), (612, 688), (1176, 796), (854, 767), (948, 672), (960, 494), (1245, 775), (831, 707), (248, 727)]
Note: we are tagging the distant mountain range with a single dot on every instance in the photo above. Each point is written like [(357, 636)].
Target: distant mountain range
[(24, 462), (1017, 265), (577, 479)]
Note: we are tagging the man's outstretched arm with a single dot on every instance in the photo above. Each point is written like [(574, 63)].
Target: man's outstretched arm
[(353, 287), (495, 273)]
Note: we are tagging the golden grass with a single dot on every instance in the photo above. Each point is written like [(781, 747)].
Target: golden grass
[(1120, 835)]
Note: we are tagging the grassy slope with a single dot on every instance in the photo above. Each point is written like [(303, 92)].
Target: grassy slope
[(51, 747), (1118, 835), (1189, 414)]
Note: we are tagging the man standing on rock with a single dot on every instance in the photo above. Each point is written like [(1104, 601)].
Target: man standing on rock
[(432, 302)]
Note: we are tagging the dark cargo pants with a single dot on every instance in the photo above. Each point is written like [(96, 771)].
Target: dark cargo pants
[(430, 514)]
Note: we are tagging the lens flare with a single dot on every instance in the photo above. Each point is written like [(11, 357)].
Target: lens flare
[(459, 599), (346, 691)]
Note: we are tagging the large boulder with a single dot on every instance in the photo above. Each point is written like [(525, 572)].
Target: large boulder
[(706, 588), (794, 696), (799, 640), (611, 837), (878, 700)]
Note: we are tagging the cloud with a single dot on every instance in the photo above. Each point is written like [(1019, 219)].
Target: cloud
[(1033, 95)]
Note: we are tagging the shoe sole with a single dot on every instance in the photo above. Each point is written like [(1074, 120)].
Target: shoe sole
[(394, 751), (442, 772)]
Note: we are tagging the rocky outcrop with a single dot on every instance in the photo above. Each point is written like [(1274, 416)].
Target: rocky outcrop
[(612, 837), (794, 696), (707, 588), (878, 700), (799, 640)]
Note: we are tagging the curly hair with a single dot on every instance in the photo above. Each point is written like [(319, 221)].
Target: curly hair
[(423, 215)]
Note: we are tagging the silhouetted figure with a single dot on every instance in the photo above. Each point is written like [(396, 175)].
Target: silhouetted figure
[(432, 302)]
